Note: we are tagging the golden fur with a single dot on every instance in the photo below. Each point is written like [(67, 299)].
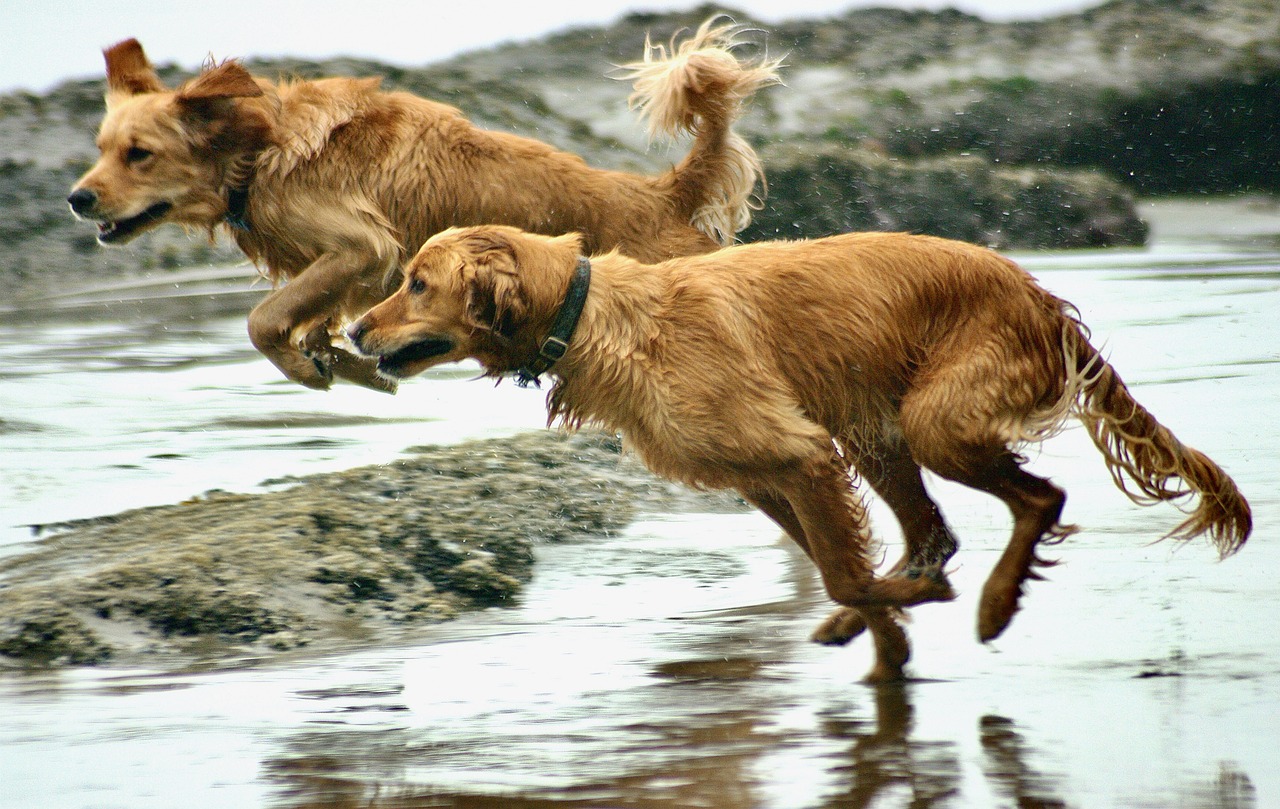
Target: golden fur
[(344, 181), (776, 368)]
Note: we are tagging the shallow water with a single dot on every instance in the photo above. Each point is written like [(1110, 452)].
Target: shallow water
[(668, 666)]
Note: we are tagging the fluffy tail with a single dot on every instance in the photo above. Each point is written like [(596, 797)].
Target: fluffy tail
[(698, 87), (1148, 463)]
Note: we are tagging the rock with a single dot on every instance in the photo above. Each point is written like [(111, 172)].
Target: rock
[(48, 633), (817, 188), (1166, 97), (362, 556)]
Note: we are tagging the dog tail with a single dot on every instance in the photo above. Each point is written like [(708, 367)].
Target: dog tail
[(1146, 461), (698, 87)]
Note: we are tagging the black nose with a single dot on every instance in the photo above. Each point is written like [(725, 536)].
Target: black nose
[(354, 332), (82, 200)]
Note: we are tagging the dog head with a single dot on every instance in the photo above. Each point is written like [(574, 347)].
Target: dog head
[(483, 293), (168, 155)]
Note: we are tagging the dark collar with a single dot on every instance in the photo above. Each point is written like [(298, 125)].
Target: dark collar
[(556, 342), (237, 215)]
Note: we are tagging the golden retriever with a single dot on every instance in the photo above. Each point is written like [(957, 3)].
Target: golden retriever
[(331, 184), (776, 368)]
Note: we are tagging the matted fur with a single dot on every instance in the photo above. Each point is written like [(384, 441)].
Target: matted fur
[(777, 368), (344, 181)]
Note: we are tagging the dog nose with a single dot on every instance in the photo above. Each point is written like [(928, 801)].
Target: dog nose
[(354, 332), (82, 200)]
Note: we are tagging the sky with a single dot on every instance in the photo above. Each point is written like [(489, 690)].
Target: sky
[(45, 42)]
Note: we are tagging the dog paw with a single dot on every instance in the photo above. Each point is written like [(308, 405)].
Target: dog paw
[(305, 369), (360, 370), (933, 585), (322, 369), (840, 627), (930, 583), (996, 609), (312, 372), (893, 650)]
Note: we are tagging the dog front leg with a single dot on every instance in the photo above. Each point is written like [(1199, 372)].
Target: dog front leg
[(836, 527), (841, 626), (817, 501), (290, 326), (318, 345)]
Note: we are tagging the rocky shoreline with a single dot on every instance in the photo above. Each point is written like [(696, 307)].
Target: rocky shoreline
[(339, 560)]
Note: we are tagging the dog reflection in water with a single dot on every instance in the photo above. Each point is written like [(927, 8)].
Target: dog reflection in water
[(777, 368)]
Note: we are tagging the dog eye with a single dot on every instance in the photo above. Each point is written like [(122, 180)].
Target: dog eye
[(136, 154), (417, 286)]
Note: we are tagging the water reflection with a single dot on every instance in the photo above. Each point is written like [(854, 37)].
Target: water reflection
[(717, 763), (877, 760), (886, 761), (1006, 766)]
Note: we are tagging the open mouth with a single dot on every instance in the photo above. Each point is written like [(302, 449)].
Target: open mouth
[(397, 363), (109, 231)]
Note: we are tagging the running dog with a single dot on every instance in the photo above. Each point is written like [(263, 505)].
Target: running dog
[(776, 368), (330, 185)]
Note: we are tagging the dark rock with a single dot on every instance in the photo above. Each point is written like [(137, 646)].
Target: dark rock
[(817, 188)]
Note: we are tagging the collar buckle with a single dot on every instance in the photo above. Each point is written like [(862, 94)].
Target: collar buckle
[(553, 349)]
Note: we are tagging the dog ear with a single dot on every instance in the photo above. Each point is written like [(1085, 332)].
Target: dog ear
[(219, 83), (128, 70), (495, 296)]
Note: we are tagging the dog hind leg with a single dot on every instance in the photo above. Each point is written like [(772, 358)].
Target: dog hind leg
[(978, 458), (895, 476), (962, 420), (1036, 505)]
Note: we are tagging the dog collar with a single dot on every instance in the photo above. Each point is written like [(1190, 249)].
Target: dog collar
[(237, 215), (556, 343)]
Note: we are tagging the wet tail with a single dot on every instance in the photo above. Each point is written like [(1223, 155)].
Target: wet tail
[(699, 87), (1148, 463)]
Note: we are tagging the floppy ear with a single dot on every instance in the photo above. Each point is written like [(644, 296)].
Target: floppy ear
[(495, 296), (209, 95), (227, 80), (128, 70)]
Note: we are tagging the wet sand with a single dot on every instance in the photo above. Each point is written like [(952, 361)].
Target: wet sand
[(667, 665)]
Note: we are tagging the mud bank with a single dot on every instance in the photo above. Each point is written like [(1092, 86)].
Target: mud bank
[(328, 561)]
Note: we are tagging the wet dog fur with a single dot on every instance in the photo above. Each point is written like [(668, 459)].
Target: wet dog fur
[(777, 368), (330, 185)]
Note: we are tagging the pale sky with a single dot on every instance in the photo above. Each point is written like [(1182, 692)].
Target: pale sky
[(43, 43)]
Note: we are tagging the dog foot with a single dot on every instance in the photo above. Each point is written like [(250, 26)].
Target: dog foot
[(882, 672), (997, 607), (360, 370), (1003, 592), (304, 369), (893, 650), (312, 373), (921, 585), (840, 627)]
